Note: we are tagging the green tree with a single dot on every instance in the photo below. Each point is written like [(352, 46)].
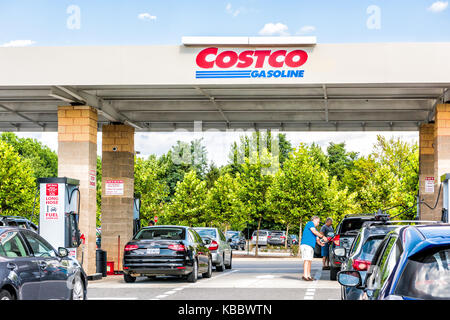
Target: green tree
[(255, 179), (188, 206), (150, 188), (225, 210), (339, 159), (212, 175), (300, 190), (43, 161), (17, 183)]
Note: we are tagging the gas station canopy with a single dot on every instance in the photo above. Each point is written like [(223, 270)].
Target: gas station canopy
[(323, 87)]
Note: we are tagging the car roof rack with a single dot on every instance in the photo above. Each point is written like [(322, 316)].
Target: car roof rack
[(13, 217), (370, 223)]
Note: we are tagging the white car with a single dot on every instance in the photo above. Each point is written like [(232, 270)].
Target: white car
[(262, 237)]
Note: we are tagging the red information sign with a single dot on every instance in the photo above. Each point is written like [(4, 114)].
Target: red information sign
[(51, 189)]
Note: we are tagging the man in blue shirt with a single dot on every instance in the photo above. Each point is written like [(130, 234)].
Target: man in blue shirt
[(309, 238)]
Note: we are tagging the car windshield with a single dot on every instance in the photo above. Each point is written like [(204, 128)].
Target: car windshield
[(232, 234), (351, 225), (210, 233), (276, 234), (161, 234), (370, 247), (426, 276)]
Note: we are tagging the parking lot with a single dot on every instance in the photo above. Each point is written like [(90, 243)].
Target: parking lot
[(250, 279)]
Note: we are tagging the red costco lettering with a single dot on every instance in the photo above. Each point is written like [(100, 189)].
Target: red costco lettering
[(210, 57)]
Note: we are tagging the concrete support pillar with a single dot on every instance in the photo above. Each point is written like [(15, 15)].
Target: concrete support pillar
[(77, 159), (117, 190), (426, 169), (441, 150)]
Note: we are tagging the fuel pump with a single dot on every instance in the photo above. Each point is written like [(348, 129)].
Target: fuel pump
[(59, 212), (446, 197), (136, 214)]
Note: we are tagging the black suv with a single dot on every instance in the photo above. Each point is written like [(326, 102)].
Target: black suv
[(15, 221), (345, 234)]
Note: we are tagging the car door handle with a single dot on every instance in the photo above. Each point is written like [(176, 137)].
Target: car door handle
[(11, 266), (43, 265)]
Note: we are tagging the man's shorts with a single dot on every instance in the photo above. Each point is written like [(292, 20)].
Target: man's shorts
[(307, 252), (325, 250)]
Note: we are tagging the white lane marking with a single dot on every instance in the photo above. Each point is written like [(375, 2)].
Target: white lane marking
[(161, 296), (178, 289), (311, 289), (169, 292), (266, 276)]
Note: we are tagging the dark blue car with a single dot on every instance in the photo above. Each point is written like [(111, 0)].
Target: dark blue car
[(412, 262), (31, 269)]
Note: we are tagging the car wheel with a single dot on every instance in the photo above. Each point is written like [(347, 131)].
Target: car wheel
[(231, 262), (208, 274), (220, 267), (192, 277), (128, 278), (5, 295), (77, 292), (333, 273)]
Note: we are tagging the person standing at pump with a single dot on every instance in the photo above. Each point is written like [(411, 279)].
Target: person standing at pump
[(309, 238), (325, 230)]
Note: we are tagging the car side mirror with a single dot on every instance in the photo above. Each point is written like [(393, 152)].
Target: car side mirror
[(229, 240), (349, 278), (63, 252), (207, 241), (340, 252)]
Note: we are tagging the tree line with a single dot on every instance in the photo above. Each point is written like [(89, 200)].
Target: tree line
[(266, 184)]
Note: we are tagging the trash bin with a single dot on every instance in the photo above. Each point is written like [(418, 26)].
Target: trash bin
[(101, 262)]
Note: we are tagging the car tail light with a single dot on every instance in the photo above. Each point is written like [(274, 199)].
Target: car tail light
[(269, 236), (337, 240), (131, 247), (213, 245), (181, 268), (361, 265), (177, 247), (283, 237), (252, 238)]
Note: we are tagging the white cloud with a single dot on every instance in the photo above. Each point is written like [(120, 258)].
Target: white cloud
[(438, 6), (146, 16), (19, 43), (230, 10), (306, 29), (271, 29)]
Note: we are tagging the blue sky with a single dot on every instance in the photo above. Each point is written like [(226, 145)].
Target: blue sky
[(116, 22), (133, 22)]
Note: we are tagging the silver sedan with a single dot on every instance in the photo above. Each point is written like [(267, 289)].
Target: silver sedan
[(218, 245)]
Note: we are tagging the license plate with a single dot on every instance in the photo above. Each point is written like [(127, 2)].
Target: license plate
[(153, 251)]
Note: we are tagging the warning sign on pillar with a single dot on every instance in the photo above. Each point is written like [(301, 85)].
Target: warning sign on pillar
[(429, 185), (114, 188)]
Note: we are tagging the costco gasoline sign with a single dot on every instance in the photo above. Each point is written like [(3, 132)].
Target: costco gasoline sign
[(264, 63)]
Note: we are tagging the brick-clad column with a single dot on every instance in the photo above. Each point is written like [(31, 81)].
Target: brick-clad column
[(117, 210), (441, 150), (426, 169), (77, 159)]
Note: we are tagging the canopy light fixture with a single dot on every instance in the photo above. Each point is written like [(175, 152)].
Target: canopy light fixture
[(249, 41)]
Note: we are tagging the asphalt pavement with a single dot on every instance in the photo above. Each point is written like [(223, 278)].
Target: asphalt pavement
[(250, 279)]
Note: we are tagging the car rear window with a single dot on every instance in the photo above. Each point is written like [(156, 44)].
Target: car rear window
[(351, 225), (261, 233), (277, 234), (426, 276), (161, 234), (211, 233), (370, 247)]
